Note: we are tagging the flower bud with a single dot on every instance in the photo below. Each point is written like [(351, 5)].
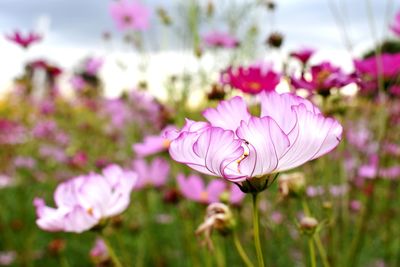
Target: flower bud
[(292, 184), (308, 225), (56, 246), (275, 40), (164, 17), (270, 4), (217, 92), (218, 217), (210, 8)]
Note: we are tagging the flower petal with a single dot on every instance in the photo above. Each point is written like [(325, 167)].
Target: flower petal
[(279, 107), (267, 143), (228, 114), (312, 137)]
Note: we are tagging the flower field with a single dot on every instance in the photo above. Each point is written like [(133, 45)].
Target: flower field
[(226, 148)]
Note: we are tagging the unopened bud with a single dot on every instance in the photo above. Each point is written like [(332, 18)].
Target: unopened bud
[(217, 92), (210, 8), (56, 246), (308, 225), (292, 184), (275, 40), (327, 205), (270, 4), (164, 17)]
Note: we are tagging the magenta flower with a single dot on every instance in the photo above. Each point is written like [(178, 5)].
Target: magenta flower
[(395, 26), (130, 15), (220, 40), (395, 90), (24, 41), (193, 188), (241, 148), (368, 71), (252, 80), (154, 174), (154, 144), (84, 201), (324, 77), (303, 55)]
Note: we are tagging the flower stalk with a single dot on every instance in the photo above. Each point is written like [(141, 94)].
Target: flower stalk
[(116, 262), (241, 251), (256, 231)]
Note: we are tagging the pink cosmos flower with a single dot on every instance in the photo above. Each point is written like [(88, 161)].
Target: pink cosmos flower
[(324, 77), (99, 252), (6, 181), (130, 15), (193, 188), (24, 162), (24, 41), (252, 80), (236, 196), (368, 71), (241, 148), (220, 40), (303, 55), (314, 191), (84, 201), (93, 65), (154, 174), (395, 26), (78, 83), (395, 90), (11, 132), (154, 144)]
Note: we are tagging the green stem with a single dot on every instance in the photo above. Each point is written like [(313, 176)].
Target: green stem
[(317, 239), (241, 251), (312, 252), (321, 250), (256, 231), (111, 252)]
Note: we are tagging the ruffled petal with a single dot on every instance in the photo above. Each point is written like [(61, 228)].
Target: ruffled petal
[(218, 148), (267, 143), (279, 107), (312, 137), (228, 114)]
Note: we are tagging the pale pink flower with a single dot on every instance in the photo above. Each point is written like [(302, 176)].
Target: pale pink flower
[(237, 146), (193, 188), (314, 191), (84, 201), (6, 181), (7, 257), (154, 144), (130, 15), (78, 83), (99, 252), (93, 65), (153, 174), (395, 26), (220, 39)]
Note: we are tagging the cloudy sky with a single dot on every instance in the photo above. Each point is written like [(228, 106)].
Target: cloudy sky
[(73, 30)]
